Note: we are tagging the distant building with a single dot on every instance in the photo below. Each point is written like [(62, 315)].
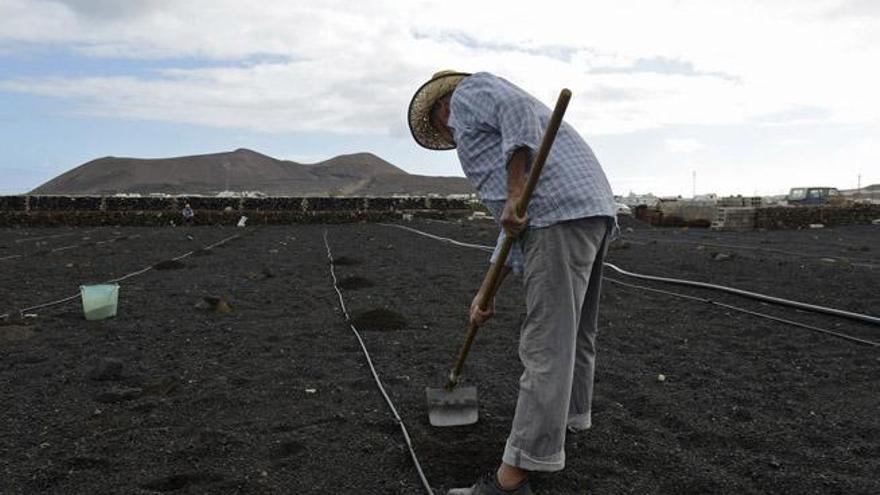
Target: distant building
[(632, 200)]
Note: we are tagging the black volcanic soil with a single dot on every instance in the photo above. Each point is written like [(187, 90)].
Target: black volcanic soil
[(172, 396)]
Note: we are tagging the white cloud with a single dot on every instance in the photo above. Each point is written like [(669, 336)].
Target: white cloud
[(793, 142), (683, 145), (349, 66)]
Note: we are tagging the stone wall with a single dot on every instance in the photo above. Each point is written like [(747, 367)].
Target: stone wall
[(686, 213), (750, 218), (734, 218), (96, 210), (797, 217)]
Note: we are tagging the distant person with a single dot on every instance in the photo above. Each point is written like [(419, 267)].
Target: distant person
[(188, 215), (560, 245)]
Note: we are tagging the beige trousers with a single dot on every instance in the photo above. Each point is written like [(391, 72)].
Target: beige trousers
[(562, 276)]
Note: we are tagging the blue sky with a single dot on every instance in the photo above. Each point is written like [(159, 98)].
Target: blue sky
[(755, 97)]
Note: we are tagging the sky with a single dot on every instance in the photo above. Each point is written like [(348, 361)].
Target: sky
[(674, 96)]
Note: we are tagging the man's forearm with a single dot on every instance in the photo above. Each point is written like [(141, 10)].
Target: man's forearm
[(490, 291), (516, 173)]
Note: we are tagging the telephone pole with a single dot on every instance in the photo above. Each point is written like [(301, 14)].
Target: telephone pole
[(859, 189)]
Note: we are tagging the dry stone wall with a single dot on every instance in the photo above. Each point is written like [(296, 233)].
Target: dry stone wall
[(772, 218), (799, 217), (96, 210)]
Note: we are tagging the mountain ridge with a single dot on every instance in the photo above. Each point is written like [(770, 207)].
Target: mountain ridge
[(246, 170)]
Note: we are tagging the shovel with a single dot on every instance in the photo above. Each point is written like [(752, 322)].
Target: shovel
[(457, 406)]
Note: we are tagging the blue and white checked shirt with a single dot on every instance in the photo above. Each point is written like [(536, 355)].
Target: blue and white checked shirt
[(491, 118)]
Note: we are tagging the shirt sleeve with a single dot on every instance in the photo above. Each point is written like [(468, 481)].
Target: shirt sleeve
[(487, 103), (518, 124), (514, 258)]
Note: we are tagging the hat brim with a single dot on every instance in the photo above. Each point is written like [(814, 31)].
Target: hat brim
[(419, 114)]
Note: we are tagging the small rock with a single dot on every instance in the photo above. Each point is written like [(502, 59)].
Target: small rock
[(661, 378), (218, 304), (311, 390), (722, 257)]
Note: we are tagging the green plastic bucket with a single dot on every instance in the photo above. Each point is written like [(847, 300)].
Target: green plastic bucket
[(99, 301)]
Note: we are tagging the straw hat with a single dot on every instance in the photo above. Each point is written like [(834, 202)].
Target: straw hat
[(441, 84)]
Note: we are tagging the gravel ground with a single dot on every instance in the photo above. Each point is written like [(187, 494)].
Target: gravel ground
[(178, 395)]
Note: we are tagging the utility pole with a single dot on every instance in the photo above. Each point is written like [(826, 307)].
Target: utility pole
[(859, 190)]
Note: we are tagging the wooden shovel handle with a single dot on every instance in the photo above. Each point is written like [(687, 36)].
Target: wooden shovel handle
[(495, 269)]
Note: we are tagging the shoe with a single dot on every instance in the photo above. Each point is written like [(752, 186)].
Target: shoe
[(577, 429), (579, 423), (488, 485)]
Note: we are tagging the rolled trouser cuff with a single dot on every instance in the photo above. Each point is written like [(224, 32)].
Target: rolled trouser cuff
[(514, 456), (579, 422)]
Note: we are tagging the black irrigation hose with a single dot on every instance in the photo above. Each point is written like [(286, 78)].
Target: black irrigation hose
[(55, 236), (752, 295), (746, 311), (796, 304), (71, 246), (853, 261), (124, 277), (378, 381)]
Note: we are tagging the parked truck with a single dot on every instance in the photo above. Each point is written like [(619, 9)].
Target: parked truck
[(814, 196)]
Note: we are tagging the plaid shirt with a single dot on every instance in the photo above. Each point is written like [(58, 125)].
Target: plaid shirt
[(491, 118)]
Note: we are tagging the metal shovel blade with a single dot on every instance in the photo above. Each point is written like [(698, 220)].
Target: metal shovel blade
[(456, 407)]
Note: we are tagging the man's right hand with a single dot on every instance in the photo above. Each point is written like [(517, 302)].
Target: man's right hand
[(478, 316), (513, 223)]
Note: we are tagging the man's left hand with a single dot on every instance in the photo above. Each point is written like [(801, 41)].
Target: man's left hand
[(513, 223)]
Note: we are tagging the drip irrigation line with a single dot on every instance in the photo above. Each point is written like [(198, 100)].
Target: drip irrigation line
[(442, 239), (747, 311), (118, 279), (73, 246), (65, 248), (704, 285), (868, 263), (19, 241), (752, 295), (376, 378)]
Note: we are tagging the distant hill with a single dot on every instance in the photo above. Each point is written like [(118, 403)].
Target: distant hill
[(872, 190), (359, 174)]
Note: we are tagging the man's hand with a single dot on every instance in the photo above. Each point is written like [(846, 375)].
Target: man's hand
[(478, 316), (513, 223)]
